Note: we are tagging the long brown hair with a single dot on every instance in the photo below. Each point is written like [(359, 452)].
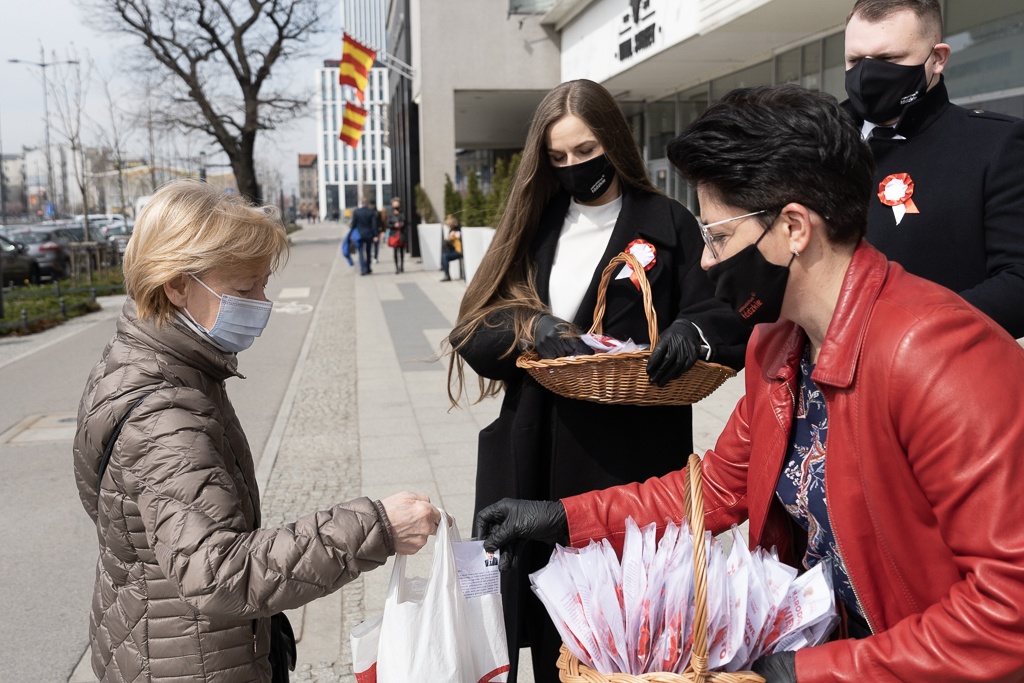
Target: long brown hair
[(504, 284)]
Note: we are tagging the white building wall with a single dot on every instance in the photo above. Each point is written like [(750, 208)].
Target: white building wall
[(470, 45)]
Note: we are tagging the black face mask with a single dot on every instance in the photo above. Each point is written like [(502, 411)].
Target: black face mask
[(880, 90), (587, 180), (751, 284)]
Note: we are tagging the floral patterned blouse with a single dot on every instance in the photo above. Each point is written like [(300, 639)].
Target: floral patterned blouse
[(801, 488)]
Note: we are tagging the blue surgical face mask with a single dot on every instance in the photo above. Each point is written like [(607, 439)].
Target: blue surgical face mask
[(239, 321)]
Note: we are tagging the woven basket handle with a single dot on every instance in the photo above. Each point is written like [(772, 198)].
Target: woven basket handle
[(645, 291), (694, 502)]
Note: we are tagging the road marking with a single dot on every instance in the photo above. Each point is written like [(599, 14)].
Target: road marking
[(41, 428), (293, 308), (294, 293)]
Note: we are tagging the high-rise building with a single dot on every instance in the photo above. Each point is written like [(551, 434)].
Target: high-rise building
[(344, 173), (366, 21)]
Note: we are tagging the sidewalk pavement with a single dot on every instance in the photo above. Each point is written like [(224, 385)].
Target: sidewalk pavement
[(367, 413)]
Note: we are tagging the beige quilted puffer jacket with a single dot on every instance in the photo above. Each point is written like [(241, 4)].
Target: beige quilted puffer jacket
[(186, 580)]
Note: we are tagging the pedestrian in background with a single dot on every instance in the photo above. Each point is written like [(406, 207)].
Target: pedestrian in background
[(880, 429), (451, 248), (365, 223), (949, 181), (186, 580), (581, 196), (396, 234)]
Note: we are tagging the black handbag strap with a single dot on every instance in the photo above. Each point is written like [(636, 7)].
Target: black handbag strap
[(109, 449)]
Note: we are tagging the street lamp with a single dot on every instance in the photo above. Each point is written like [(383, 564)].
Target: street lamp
[(51, 194)]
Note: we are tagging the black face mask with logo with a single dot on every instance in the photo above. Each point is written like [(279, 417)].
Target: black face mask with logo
[(588, 180), (880, 90), (752, 285)]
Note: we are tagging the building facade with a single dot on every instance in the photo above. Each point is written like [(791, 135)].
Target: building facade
[(480, 68), (345, 173), (665, 61), (309, 198)]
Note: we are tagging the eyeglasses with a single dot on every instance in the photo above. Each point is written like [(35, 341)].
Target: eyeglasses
[(710, 240)]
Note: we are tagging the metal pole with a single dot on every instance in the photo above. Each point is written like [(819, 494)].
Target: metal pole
[(3, 190), (51, 196), (42, 64)]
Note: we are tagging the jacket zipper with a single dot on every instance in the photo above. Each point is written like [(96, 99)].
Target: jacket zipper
[(839, 543)]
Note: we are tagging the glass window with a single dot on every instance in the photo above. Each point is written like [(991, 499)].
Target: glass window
[(661, 127), (810, 73), (787, 67), (988, 47), (692, 103), (759, 74), (833, 80)]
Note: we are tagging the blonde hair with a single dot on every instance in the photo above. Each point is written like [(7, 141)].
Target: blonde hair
[(189, 227)]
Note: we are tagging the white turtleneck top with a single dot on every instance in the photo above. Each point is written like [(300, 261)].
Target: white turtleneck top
[(581, 244)]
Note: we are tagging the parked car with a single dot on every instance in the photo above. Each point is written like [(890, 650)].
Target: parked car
[(118, 233), (18, 266), (48, 247)]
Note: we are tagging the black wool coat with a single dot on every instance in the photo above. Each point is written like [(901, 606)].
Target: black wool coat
[(967, 166), (544, 446)]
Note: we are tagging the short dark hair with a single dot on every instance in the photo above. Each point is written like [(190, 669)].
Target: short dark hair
[(928, 11), (762, 148)]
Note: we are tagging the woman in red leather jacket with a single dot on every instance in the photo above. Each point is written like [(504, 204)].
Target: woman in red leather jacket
[(881, 426)]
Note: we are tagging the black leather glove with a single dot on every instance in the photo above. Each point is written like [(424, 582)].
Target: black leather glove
[(557, 338), (678, 348), (777, 668), (509, 522)]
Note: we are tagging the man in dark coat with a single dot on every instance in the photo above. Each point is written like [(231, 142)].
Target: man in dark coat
[(364, 221), (950, 181)]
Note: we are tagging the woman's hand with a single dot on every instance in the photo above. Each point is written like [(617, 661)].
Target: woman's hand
[(413, 520), (557, 338), (678, 348), (777, 668), (506, 524)]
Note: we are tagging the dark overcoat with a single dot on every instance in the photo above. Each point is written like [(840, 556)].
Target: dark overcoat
[(967, 167), (544, 446)]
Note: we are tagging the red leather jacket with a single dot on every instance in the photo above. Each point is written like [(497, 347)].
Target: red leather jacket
[(924, 477)]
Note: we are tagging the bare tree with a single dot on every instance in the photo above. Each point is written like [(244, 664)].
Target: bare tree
[(115, 135), (70, 90), (219, 55)]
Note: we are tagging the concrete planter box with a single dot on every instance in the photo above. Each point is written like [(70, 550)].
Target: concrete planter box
[(475, 242), (431, 235)]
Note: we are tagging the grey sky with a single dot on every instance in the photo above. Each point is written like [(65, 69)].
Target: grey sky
[(24, 24)]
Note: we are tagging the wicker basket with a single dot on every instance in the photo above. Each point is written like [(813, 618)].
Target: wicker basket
[(622, 377), (570, 670)]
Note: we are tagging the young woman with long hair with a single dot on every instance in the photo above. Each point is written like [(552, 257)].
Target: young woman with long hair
[(581, 195)]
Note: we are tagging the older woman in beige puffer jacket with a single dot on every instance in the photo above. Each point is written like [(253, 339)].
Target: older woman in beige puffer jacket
[(186, 580)]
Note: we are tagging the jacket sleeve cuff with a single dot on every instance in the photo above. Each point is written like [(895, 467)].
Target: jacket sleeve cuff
[(385, 523)]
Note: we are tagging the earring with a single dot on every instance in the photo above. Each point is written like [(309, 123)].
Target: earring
[(796, 252)]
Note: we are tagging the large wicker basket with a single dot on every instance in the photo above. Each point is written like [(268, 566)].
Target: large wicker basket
[(570, 670), (622, 377)]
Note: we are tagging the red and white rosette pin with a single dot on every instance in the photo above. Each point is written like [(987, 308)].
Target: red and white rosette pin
[(644, 252), (896, 191)]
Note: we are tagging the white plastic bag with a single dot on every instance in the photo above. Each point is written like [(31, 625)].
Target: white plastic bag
[(364, 639), (430, 632)]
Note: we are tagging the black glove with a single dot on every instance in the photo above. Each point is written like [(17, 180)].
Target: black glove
[(678, 348), (509, 522), (557, 338), (777, 668)]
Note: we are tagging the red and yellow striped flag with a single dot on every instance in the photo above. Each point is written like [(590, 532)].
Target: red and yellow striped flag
[(356, 62), (352, 124)]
